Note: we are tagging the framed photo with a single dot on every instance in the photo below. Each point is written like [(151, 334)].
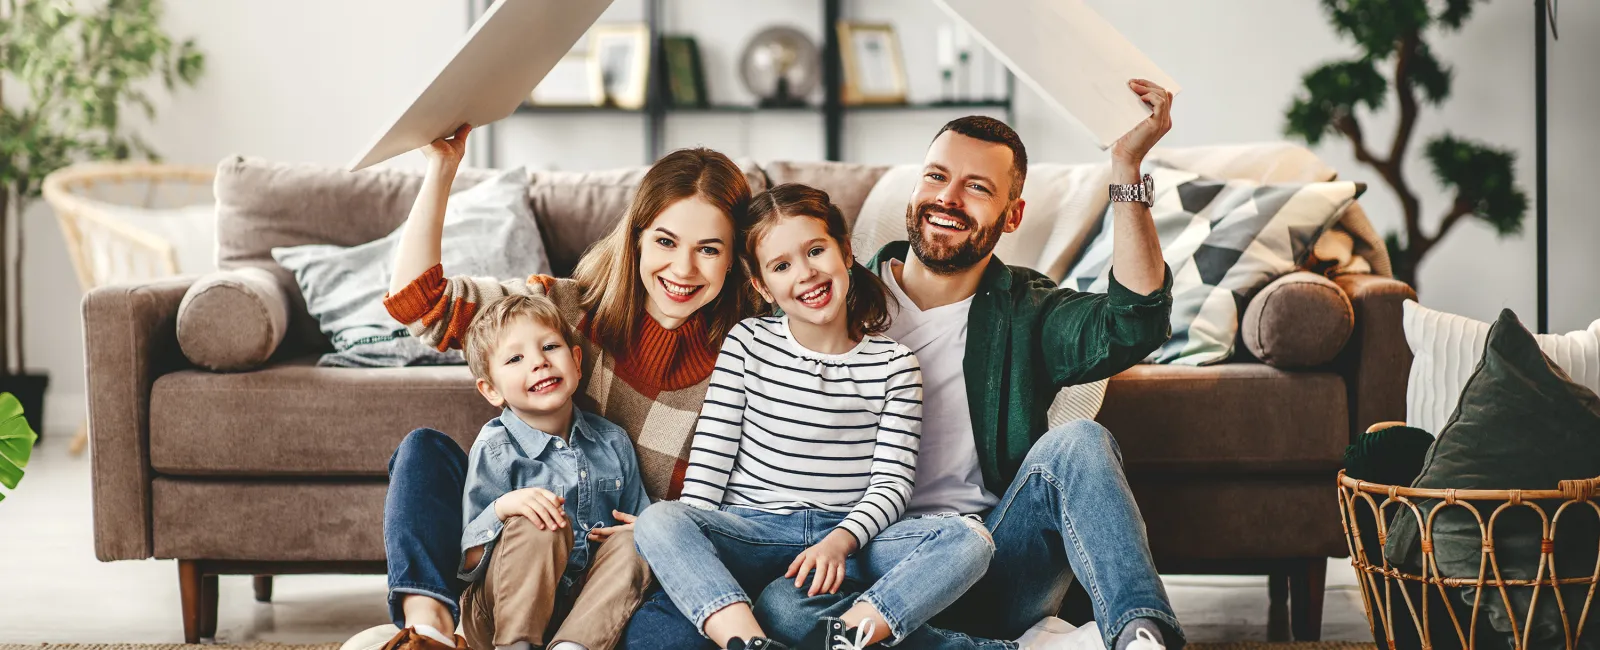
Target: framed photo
[(874, 71), (567, 84), (619, 65), (684, 79)]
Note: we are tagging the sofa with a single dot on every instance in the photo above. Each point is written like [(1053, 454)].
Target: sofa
[(281, 468)]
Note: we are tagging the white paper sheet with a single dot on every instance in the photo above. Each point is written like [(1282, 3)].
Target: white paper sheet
[(1068, 53), (510, 49)]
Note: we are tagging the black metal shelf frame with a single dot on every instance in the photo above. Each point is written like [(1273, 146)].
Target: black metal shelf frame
[(656, 108)]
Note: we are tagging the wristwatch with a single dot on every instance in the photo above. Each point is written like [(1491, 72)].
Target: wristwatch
[(1142, 192)]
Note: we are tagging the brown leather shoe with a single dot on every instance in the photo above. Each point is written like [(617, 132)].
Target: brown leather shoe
[(411, 639)]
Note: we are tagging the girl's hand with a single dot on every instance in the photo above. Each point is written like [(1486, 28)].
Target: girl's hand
[(600, 535), (449, 150), (540, 506), (827, 558)]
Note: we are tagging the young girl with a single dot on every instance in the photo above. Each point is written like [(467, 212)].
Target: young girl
[(803, 460)]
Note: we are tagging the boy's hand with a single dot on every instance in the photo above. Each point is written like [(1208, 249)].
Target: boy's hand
[(600, 535), (449, 150), (827, 558), (540, 506)]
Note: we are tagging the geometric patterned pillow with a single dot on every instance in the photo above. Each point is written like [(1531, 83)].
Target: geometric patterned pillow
[(1224, 240)]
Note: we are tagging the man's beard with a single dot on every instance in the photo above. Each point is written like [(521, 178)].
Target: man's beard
[(944, 258)]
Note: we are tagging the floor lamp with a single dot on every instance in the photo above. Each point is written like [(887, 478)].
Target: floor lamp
[(1544, 12)]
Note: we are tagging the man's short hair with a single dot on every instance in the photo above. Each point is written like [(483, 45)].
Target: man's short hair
[(483, 335), (989, 129)]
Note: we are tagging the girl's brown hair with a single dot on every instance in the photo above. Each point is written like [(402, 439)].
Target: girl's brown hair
[(866, 306), (613, 297)]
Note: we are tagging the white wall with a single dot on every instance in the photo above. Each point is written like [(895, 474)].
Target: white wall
[(309, 81)]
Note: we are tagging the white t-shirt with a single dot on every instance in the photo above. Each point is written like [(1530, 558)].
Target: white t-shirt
[(948, 476)]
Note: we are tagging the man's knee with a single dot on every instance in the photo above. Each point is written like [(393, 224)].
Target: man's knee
[(1075, 440)]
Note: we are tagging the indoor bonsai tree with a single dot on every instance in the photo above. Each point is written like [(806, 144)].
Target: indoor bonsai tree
[(1390, 36), (69, 73)]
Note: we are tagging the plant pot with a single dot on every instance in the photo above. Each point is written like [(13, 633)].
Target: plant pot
[(29, 390)]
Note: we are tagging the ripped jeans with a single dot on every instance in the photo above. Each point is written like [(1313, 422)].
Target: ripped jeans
[(709, 559)]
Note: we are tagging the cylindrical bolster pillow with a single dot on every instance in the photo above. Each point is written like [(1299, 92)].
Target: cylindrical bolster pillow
[(232, 320), (1300, 320)]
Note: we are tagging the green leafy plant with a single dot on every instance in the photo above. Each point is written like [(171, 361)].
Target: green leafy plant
[(1390, 36), (16, 442), (82, 66)]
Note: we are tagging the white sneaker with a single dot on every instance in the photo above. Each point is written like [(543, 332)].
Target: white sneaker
[(1052, 633), (371, 638), (1144, 640)]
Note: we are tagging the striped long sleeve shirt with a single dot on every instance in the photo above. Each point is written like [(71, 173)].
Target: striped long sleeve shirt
[(784, 428)]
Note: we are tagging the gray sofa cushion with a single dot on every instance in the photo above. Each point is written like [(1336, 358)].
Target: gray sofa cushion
[(488, 232)]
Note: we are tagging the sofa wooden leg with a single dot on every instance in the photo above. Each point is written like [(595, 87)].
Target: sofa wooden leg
[(208, 604), (263, 589), (1307, 588), (189, 587), (1278, 607)]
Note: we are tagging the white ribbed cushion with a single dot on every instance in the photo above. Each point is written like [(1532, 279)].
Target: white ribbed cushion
[(1446, 349)]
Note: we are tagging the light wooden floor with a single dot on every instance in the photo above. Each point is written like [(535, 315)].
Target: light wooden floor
[(53, 590)]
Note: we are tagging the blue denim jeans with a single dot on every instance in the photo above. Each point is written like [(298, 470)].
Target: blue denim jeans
[(422, 521), (1068, 513), (705, 559)]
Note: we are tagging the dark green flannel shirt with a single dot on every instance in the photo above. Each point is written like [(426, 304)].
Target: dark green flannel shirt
[(1027, 338)]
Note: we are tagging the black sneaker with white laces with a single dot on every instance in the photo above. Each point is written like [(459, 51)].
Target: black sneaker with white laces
[(758, 643), (832, 634)]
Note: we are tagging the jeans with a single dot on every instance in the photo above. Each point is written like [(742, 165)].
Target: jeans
[(422, 521), (658, 624), (705, 559), (1068, 513)]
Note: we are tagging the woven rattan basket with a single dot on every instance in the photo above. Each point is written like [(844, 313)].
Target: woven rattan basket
[(1429, 609)]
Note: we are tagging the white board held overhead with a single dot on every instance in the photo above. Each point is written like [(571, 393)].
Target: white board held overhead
[(510, 49), (1069, 54)]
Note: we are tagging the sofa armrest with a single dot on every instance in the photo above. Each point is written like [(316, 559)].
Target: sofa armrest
[(129, 340), (1377, 361)]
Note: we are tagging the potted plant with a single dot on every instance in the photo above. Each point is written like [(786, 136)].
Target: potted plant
[(70, 71), (1390, 36)]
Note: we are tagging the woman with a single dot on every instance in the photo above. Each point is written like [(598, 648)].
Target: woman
[(653, 301)]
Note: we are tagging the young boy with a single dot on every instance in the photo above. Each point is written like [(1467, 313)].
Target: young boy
[(551, 492)]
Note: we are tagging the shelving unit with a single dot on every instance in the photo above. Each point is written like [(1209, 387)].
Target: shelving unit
[(656, 110)]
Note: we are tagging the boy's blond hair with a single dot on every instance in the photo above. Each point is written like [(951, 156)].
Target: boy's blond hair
[(484, 333)]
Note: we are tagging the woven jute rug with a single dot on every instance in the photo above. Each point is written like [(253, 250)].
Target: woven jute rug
[(1248, 645)]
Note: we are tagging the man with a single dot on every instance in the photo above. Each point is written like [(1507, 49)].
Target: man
[(995, 344)]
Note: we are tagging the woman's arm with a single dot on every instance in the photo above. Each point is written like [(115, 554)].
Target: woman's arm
[(424, 230)]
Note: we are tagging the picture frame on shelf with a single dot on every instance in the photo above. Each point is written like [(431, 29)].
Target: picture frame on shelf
[(685, 81), (568, 84), (873, 66), (619, 65)]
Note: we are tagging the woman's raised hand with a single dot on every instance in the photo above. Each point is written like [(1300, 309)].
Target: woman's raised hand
[(448, 150)]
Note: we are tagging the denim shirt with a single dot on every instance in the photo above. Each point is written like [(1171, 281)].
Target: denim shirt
[(595, 470)]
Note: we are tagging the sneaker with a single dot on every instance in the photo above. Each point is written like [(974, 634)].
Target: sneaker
[(831, 634), (372, 638), (758, 643), (1144, 640), (1052, 633)]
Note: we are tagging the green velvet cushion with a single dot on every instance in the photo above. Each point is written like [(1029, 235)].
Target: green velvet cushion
[(1391, 456), (1521, 424)]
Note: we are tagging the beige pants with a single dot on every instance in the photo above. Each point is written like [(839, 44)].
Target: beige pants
[(516, 599)]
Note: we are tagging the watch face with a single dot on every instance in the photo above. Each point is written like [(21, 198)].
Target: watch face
[(1149, 188)]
